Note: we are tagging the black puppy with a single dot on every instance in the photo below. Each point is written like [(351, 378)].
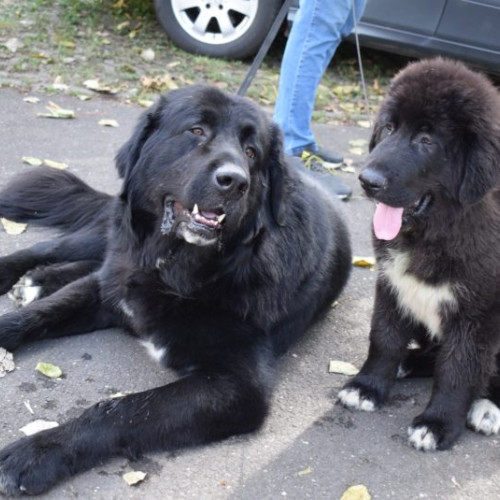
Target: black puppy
[(217, 254), (434, 171)]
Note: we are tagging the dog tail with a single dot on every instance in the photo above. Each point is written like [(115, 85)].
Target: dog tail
[(53, 198)]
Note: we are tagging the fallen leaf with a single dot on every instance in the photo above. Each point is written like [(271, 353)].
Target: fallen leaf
[(145, 103), (97, 86), (37, 426), (6, 362), (55, 111), (305, 471), (367, 262), (364, 123), (161, 83), (55, 164), (134, 477), (13, 228), (13, 44), (357, 151), (342, 367), (31, 99), (31, 160), (358, 143), (148, 55), (357, 492), (49, 370), (108, 123)]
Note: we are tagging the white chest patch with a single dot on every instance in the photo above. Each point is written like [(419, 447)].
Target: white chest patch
[(417, 299), (157, 353)]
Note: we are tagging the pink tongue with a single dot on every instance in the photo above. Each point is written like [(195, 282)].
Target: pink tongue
[(387, 221)]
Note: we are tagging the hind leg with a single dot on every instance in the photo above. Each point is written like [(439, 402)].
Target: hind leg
[(84, 245), (45, 280), (76, 308)]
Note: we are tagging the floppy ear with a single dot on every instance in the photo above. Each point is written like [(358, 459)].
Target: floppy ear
[(129, 153), (481, 169), (276, 169)]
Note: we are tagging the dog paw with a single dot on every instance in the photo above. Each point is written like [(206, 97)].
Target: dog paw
[(355, 399), (484, 417), (30, 467), (25, 291), (422, 438), (430, 432)]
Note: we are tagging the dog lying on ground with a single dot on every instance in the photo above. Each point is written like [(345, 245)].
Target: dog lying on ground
[(434, 171), (218, 254)]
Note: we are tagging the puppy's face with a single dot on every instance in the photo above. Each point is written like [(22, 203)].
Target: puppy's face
[(404, 171), (435, 143), (203, 166)]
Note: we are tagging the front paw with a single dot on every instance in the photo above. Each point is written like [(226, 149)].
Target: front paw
[(357, 396), (31, 466), (434, 433)]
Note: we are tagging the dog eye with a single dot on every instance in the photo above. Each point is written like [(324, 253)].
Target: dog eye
[(250, 152), (425, 139), (197, 131), (389, 128)]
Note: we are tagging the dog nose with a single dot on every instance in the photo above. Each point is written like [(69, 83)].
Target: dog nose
[(231, 178), (371, 180)]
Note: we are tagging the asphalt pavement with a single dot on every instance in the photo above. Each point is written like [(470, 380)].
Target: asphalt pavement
[(309, 447)]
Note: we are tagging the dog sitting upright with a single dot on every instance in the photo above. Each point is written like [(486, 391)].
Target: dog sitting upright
[(434, 172)]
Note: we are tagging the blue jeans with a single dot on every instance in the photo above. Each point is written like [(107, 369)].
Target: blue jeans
[(317, 31)]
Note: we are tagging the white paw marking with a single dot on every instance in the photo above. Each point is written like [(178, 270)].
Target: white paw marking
[(484, 417), (24, 291), (351, 398), (157, 353), (422, 438)]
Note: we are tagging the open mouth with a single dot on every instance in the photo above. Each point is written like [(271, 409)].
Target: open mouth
[(388, 221), (199, 226)]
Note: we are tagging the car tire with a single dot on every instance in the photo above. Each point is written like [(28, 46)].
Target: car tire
[(213, 29)]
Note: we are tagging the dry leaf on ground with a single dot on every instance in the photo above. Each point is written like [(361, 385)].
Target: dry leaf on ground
[(55, 111), (357, 492), (55, 164), (37, 426), (367, 262), (134, 477), (342, 367), (364, 123), (305, 472), (31, 160), (13, 228), (31, 99), (6, 362), (108, 123), (49, 370), (95, 85)]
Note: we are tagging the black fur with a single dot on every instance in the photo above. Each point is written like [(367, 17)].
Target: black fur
[(435, 151), (222, 298)]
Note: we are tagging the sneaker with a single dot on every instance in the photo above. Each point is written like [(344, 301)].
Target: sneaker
[(316, 164), (327, 156)]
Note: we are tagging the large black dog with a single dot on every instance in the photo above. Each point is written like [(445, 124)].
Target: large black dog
[(218, 254), (434, 171)]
